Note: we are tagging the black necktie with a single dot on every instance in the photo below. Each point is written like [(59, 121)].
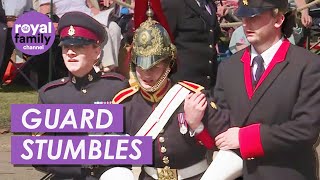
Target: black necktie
[(259, 60)]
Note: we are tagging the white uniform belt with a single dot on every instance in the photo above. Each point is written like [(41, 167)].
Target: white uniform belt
[(184, 173)]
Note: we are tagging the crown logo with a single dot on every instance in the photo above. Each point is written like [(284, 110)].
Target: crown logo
[(71, 31), (245, 2)]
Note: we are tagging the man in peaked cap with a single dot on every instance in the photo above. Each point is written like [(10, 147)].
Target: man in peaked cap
[(80, 37), (154, 98), (272, 98)]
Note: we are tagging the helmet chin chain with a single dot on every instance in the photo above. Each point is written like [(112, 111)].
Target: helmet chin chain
[(160, 82)]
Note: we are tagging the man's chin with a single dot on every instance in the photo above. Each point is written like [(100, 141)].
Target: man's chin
[(146, 86)]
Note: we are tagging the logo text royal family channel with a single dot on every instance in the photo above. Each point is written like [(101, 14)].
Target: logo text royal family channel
[(33, 33)]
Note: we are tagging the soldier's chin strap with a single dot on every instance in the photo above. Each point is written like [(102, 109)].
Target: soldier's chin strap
[(133, 81), (160, 82)]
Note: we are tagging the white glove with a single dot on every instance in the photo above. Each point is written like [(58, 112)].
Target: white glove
[(117, 173), (227, 165)]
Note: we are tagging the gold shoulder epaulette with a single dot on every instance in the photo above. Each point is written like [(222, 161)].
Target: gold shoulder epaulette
[(122, 95), (191, 86)]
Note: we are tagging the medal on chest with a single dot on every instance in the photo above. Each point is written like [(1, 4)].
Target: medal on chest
[(182, 123)]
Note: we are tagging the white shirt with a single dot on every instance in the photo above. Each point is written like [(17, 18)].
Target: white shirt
[(60, 7), (267, 56), (16, 7)]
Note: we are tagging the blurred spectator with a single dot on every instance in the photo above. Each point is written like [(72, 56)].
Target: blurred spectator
[(195, 28), (109, 57), (226, 9), (60, 7), (3, 32), (306, 19), (124, 17), (13, 9), (238, 40), (36, 5), (112, 46)]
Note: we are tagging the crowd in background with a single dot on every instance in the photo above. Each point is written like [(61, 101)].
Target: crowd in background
[(119, 26)]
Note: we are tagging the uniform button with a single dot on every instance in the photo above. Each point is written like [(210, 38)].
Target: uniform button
[(211, 30), (90, 77), (161, 139), (165, 160), (210, 62), (84, 91), (208, 77), (163, 150), (200, 142), (210, 46), (249, 159)]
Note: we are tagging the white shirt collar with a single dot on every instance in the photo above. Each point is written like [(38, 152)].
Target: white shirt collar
[(268, 54)]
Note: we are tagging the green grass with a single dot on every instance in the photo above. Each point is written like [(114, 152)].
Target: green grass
[(14, 94)]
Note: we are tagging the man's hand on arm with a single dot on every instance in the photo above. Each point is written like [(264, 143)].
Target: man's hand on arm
[(228, 139), (194, 108)]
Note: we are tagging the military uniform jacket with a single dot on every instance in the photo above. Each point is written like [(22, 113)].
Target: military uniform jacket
[(92, 88), (280, 117), (171, 147), (195, 35)]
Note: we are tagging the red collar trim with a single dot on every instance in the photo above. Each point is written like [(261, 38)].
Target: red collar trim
[(246, 58), (161, 92), (158, 95)]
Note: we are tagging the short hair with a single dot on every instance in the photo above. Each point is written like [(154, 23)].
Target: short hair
[(288, 23)]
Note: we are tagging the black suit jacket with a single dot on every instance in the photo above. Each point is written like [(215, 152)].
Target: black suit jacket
[(195, 35), (286, 105)]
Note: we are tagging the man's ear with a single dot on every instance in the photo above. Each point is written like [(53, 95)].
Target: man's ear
[(279, 20), (98, 52)]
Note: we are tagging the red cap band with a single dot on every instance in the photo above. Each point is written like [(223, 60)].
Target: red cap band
[(76, 31)]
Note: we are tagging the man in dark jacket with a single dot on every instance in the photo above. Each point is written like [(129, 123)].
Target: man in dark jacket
[(270, 94), (81, 37), (195, 29)]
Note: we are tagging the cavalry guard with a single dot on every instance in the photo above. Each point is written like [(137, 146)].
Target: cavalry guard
[(154, 105)]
